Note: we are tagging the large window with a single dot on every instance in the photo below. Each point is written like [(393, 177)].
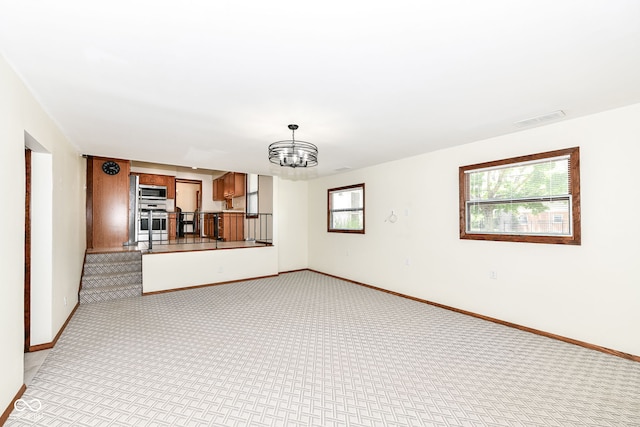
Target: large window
[(252, 195), (346, 209), (532, 198)]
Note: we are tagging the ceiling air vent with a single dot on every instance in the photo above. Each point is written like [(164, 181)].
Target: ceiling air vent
[(540, 119)]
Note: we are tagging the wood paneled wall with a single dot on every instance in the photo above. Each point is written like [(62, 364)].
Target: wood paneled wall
[(107, 204)]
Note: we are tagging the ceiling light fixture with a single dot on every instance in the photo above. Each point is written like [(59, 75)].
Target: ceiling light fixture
[(292, 153)]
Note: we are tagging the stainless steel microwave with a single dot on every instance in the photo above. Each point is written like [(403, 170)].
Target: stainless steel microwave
[(155, 192)]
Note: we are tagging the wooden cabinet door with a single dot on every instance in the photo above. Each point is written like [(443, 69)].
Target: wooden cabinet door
[(147, 179), (170, 182), (173, 225), (238, 229), (238, 184), (209, 223), (232, 228), (206, 226), (218, 190), (228, 185)]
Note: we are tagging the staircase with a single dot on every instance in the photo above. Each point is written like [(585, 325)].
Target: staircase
[(111, 275)]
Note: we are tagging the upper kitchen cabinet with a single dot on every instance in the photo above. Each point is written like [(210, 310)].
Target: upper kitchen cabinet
[(238, 184), (218, 190), (228, 186), (171, 187), (151, 179), (107, 202)]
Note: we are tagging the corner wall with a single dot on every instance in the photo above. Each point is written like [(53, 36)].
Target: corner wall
[(19, 113), (291, 214), (588, 292)]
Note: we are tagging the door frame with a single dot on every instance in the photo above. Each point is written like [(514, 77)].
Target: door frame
[(27, 250), (198, 194), (196, 225)]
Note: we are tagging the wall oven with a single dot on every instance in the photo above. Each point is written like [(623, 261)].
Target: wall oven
[(154, 222), (152, 192), (153, 219)]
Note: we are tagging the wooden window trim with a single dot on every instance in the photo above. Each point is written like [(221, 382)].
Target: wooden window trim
[(574, 178), (348, 187)]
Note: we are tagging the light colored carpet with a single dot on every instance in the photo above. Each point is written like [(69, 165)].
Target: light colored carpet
[(304, 349)]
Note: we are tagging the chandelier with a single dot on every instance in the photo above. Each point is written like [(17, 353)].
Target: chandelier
[(292, 153)]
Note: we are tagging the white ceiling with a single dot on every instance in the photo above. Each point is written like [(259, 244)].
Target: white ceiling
[(211, 83)]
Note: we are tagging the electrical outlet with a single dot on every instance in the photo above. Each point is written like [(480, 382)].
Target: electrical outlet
[(65, 301), (407, 261), (221, 269), (493, 275)]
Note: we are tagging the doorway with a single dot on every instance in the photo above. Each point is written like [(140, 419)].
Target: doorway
[(189, 203), (38, 246)]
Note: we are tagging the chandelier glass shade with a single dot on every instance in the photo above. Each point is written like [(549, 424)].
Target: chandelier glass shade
[(292, 153)]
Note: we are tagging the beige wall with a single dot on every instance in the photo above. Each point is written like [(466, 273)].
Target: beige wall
[(183, 269), (291, 223), (265, 194), (187, 196), (589, 292), (20, 113)]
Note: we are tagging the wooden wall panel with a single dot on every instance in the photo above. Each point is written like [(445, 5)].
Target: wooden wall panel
[(108, 195)]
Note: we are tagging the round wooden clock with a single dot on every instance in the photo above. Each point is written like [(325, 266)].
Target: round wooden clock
[(110, 167)]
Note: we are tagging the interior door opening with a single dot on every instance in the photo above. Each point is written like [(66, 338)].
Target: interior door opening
[(189, 202)]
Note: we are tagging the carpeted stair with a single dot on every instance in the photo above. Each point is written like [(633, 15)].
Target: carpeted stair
[(111, 275)]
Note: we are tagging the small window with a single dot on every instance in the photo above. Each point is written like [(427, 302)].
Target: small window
[(252, 195), (532, 198), (346, 209)]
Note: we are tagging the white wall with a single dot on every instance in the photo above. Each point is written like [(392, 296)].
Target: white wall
[(265, 194), (162, 271), (291, 223), (12, 259), (20, 112), (589, 292)]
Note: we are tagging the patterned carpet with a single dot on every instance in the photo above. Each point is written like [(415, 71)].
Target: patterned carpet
[(304, 349)]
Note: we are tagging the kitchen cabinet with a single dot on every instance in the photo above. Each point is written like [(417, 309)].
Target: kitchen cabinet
[(151, 179), (238, 184), (230, 185), (173, 225), (170, 182), (107, 202), (209, 225), (231, 226), (218, 190)]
